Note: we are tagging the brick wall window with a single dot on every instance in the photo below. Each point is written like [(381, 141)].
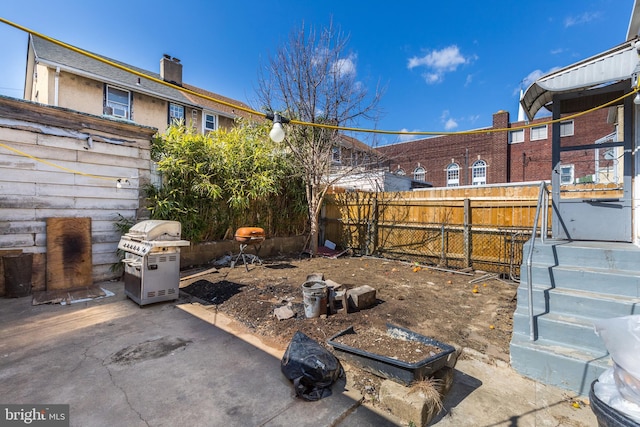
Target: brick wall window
[(400, 172), (516, 136), (538, 133), (453, 175), (566, 128), (479, 172), (419, 174), (566, 174)]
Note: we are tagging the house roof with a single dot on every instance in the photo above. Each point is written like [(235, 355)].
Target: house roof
[(354, 143), (614, 65), (57, 56), (216, 106)]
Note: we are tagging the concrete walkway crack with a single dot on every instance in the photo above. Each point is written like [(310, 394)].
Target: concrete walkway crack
[(126, 397)]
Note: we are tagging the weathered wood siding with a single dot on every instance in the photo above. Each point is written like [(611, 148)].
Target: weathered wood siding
[(55, 163)]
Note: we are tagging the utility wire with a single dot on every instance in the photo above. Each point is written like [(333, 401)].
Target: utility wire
[(265, 115), (303, 123)]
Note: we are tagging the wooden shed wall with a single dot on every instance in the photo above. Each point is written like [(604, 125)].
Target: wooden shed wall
[(58, 163)]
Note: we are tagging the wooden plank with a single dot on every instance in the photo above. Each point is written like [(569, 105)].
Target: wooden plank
[(69, 253)]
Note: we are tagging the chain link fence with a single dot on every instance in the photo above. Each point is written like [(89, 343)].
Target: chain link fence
[(495, 250)]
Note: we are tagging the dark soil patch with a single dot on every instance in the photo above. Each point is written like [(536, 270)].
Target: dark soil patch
[(380, 343), (437, 304)]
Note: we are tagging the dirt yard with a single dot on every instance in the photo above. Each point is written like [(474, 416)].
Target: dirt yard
[(472, 311)]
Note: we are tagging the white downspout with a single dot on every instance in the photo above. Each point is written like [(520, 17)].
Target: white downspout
[(55, 86)]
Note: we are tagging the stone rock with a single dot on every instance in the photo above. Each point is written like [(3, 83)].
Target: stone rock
[(412, 407), (284, 312), (362, 297)]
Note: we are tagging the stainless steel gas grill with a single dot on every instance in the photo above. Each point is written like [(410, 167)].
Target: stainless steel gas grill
[(152, 261)]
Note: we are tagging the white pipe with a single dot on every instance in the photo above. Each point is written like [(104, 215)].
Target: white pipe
[(55, 86)]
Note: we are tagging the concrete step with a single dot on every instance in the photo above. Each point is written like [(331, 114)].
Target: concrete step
[(571, 331), (604, 255), (577, 302), (612, 282), (555, 364)]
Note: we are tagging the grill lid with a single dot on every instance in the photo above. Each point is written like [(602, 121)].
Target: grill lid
[(155, 229)]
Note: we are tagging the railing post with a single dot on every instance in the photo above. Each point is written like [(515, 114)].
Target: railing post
[(542, 196)]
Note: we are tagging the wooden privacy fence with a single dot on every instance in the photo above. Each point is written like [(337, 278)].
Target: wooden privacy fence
[(483, 228)]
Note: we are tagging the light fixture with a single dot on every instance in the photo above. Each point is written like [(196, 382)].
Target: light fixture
[(277, 132), (121, 181), (636, 100)]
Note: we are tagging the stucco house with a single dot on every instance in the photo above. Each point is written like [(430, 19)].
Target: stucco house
[(59, 76)]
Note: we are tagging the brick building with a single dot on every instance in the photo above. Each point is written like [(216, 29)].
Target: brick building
[(518, 155)]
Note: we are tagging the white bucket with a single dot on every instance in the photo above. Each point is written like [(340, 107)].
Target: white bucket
[(314, 297)]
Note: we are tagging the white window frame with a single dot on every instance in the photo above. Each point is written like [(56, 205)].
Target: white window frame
[(479, 172), (400, 172), (516, 136), (567, 174), (119, 106), (205, 128), (565, 126), (537, 133), (173, 107), (453, 175), (420, 174)]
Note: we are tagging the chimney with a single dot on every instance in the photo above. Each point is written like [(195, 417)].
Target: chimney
[(171, 70)]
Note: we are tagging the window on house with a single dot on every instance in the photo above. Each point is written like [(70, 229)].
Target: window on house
[(566, 128), (118, 102), (516, 136), (479, 172), (176, 113), (400, 172), (419, 174), (538, 132), (336, 156), (566, 174), (210, 122), (453, 175), (354, 158)]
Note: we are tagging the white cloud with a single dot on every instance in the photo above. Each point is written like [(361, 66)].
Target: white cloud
[(469, 80), (432, 78), (449, 122), (344, 67), (557, 51), (439, 62), (583, 18), (532, 77)]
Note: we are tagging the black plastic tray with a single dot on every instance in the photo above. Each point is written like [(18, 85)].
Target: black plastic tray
[(393, 369)]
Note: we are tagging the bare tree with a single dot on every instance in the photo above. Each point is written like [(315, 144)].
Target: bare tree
[(312, 79)]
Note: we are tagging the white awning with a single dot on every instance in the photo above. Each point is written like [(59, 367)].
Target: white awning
[(611, 66)]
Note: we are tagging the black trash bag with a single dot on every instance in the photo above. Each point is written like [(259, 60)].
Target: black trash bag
[(311, 367)]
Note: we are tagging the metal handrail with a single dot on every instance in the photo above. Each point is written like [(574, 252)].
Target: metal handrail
[(543, 200)]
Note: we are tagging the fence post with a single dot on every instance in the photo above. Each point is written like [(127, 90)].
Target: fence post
[(373, 231), (467, 233)]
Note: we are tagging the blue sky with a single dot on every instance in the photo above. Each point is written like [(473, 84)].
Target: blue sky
[(446, 66)]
